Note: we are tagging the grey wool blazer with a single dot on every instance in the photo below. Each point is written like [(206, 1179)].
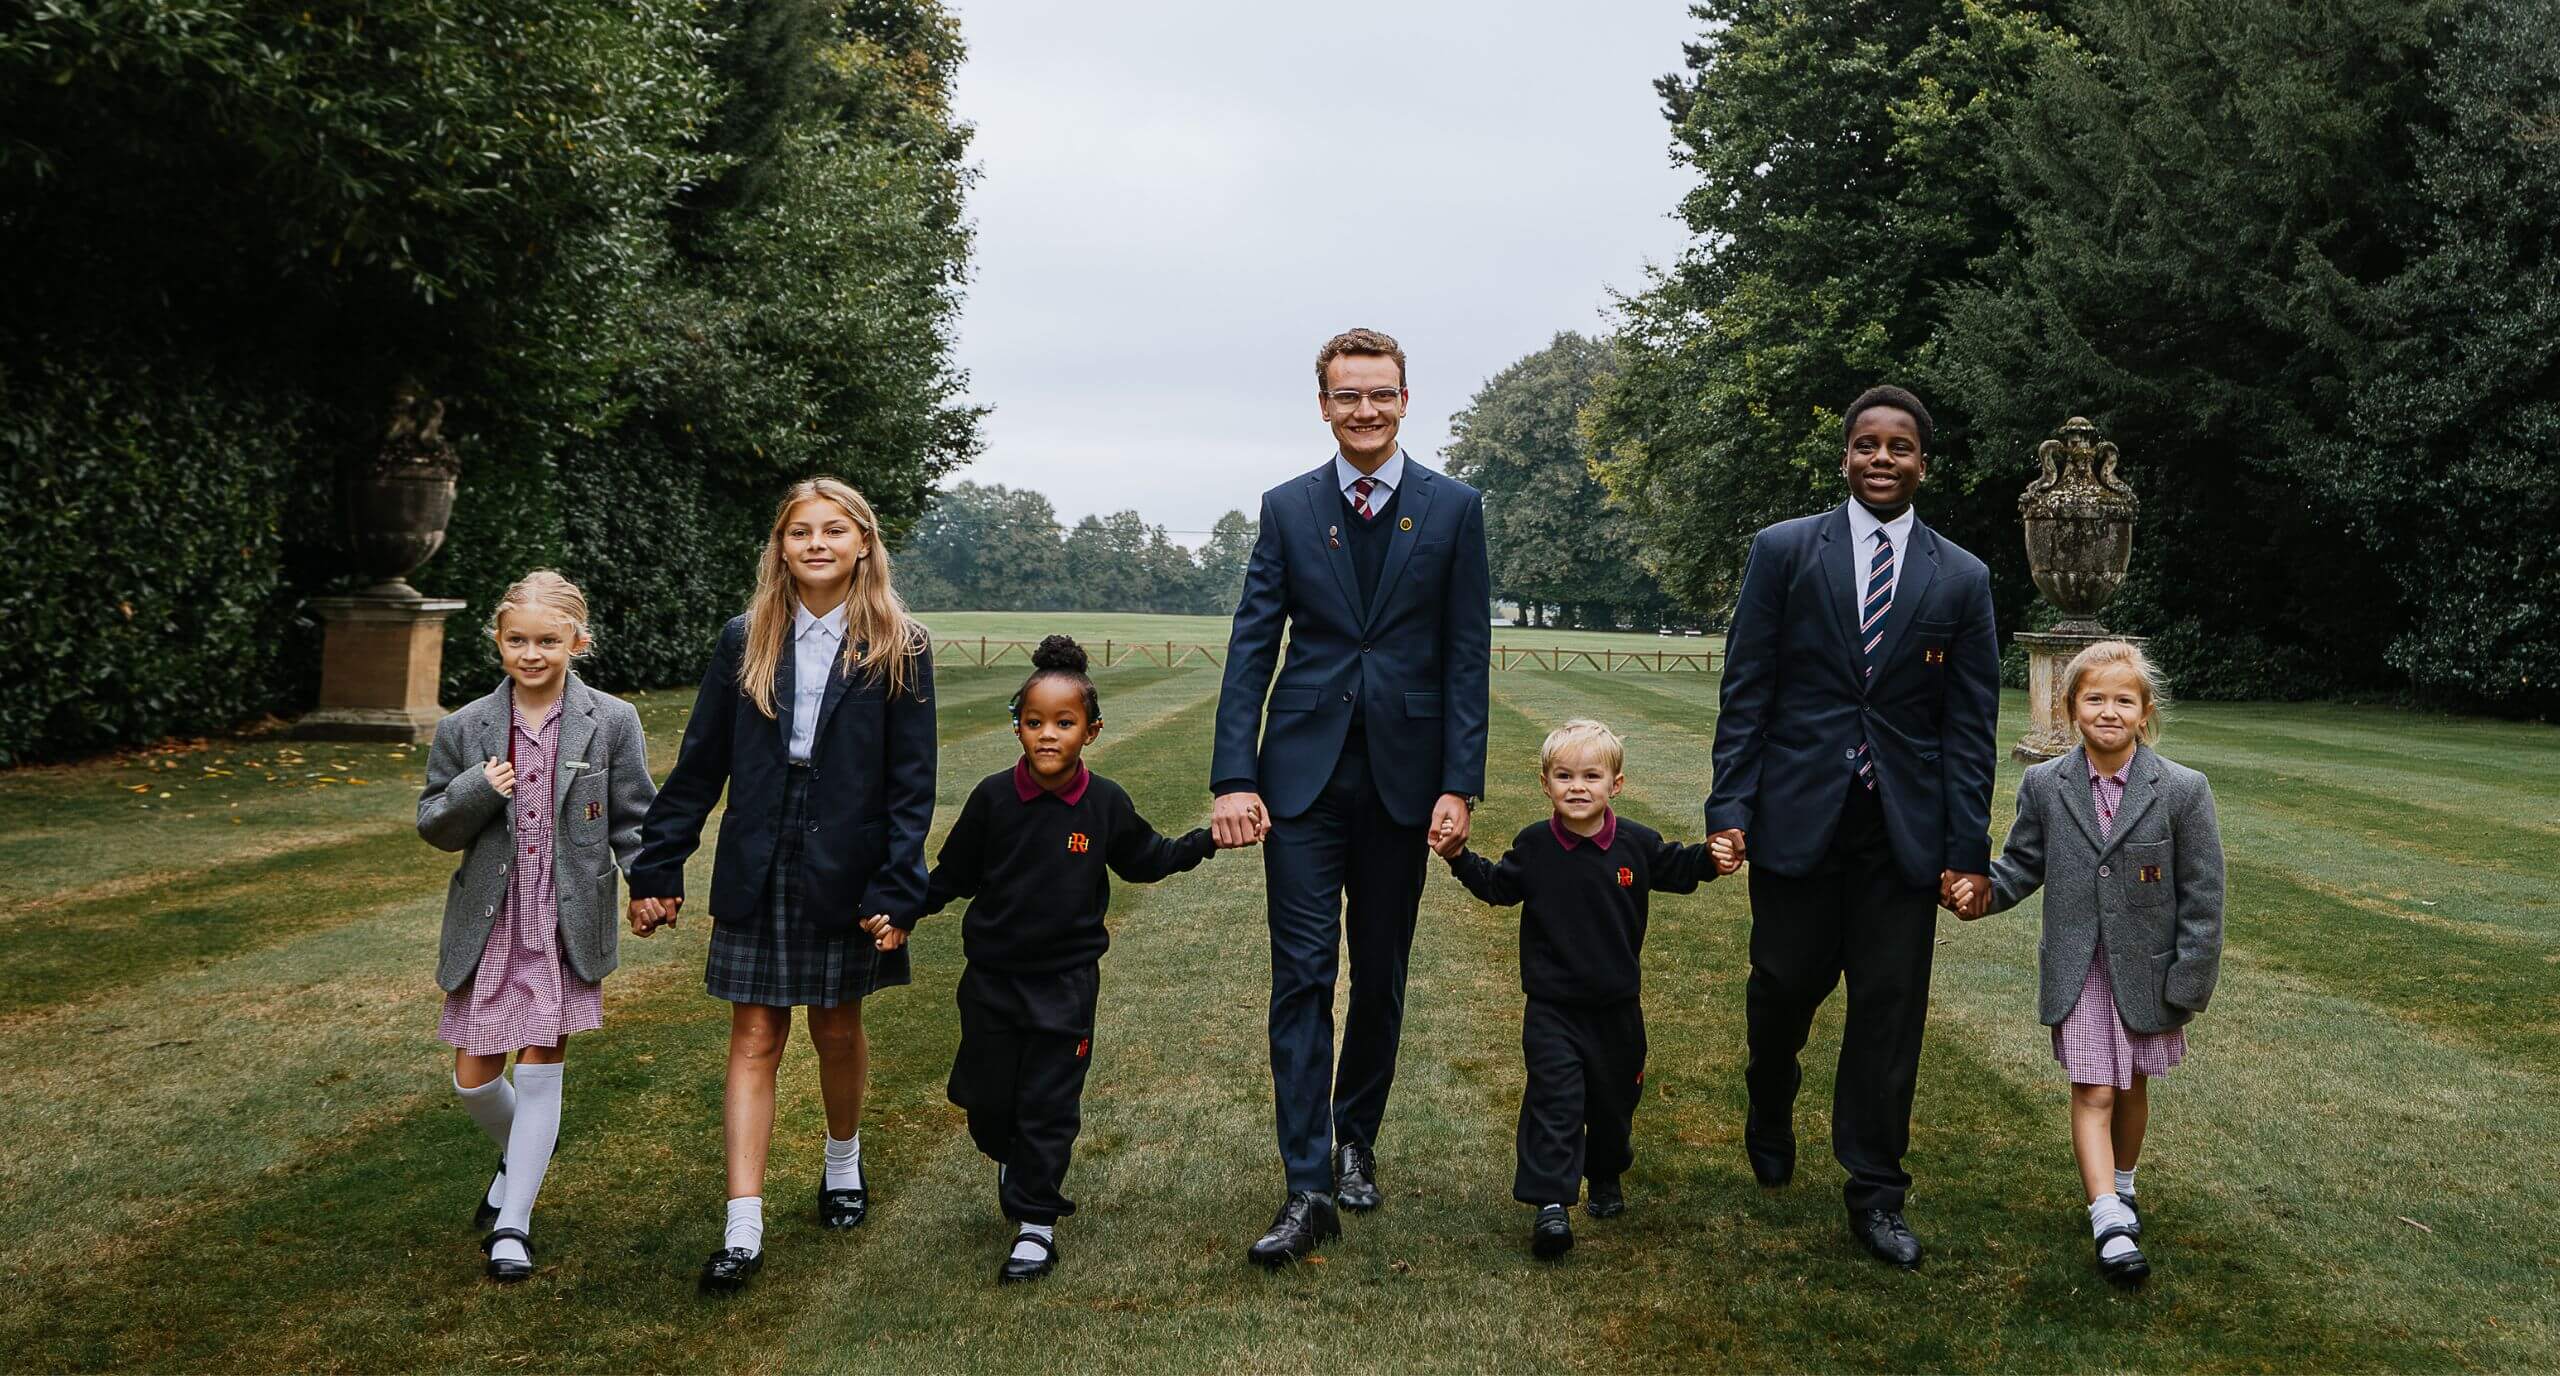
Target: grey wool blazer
[(2153, 887), (604, 762)]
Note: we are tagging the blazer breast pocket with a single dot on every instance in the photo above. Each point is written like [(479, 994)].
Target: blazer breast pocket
[(1930, 639), (2146, 873)]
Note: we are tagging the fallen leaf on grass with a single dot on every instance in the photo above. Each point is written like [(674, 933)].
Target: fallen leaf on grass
[(2415, 1224), (1315, 1261), (1400, 1267)]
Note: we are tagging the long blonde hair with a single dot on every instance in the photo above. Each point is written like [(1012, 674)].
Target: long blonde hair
[(880, 638), (2118, 654)]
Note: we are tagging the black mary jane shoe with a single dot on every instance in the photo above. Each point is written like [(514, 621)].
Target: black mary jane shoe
[(1885, 1236), (500, 1269), (1606, 1201), (843, 1208), (1355, 1178), (2127, 1271), (1551, 1236), (485, 1214), (1015, 1270), (728, 1270), (2135, 1211)]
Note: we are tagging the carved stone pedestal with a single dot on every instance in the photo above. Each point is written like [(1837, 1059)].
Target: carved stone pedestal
[(2048, 716), (379, 664)]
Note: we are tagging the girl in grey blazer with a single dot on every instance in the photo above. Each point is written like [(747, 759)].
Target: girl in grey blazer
[(2124, 843), (541, 786)]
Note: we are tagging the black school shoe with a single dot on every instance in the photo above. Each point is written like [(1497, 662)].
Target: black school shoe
[(1551, 1236), (842, 1208), (1015, 1270), (1885, 1236), (1607, 1200), (1355, 1178), (484, 1213), (2127, 1271), (2135, 1210), (728, 1270), (501, 1270)]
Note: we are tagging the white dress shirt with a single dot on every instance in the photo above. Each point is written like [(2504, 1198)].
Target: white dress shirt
[(1390, 476), (816, 641), (1863, 526)]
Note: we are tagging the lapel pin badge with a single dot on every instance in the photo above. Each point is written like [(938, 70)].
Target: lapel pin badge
[(1333, 536), (1405, 524)]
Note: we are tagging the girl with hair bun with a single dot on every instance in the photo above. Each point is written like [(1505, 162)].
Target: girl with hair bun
[(816, 718), (541, 785), (1034, 851)]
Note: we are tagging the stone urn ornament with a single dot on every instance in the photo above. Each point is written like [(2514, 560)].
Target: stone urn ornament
[(2079, 524), (2079, 520), (392, 508)]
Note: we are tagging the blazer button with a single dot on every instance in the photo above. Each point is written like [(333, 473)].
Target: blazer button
[(1364, 647), (1848, 754), (2102, 871), (1346, 697), (813, 826)]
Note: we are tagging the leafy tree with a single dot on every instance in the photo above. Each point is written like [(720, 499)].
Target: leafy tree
[(1555, 536), (990, 547), (1223, 560)]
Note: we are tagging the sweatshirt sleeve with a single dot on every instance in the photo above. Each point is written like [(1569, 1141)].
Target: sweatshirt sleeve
[(1498, 885), (1680, 869), (959, 869), (1140, 855)]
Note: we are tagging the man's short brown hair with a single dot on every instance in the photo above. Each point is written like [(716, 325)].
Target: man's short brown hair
[(1359, 342)]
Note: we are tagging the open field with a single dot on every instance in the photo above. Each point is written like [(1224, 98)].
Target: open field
[(228, 1140), (1212, 632)]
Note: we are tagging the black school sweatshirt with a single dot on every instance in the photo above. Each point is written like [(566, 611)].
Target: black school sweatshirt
[(1583, 909), (1035, 869)]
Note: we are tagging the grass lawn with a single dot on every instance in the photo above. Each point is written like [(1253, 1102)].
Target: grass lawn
[(228, 1140), (1212, 631)]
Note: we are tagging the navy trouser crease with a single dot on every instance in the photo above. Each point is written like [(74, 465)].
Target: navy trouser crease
[(1341, 873), (1853, 916), (1577, 1111), (1026, 1041)]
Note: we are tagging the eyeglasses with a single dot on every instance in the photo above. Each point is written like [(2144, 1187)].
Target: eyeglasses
[(1381, 397)]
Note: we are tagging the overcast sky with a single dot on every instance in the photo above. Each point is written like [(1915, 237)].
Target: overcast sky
[(1180, 201)]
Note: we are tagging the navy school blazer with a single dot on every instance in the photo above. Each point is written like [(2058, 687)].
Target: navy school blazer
[(1795, 702), (869, 805), (1413, 662)]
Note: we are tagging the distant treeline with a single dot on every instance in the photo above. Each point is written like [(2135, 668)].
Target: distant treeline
[(988, 547)]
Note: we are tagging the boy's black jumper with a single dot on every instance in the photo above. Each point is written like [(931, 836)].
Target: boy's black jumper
[(1582, 921), (1033, 863)]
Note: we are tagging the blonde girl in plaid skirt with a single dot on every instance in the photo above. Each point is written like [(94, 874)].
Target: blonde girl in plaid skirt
[(2125, 845), (816, 718)]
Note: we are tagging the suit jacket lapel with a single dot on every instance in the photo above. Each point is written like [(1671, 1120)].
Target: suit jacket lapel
[(1324, 502), (1840, 572), (1919, 569), (577, 732), (836, 681), (2074, 779), (785, 692), (1411, 506), (2141, 787)]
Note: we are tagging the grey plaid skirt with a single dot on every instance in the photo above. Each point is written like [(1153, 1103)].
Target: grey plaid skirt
[(782, 960)]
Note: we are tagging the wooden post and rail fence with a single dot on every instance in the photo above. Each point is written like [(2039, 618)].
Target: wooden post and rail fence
[(983, 652)]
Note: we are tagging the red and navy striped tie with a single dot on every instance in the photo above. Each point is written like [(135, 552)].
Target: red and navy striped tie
[(1360, 490), (1871, 612)]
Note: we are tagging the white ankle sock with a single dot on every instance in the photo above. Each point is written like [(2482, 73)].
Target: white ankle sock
[(844, 1163), (535, 1132), (2124, 1182), (1024, 1251), (746, 1224), (493, 1107), (2108, 1213)]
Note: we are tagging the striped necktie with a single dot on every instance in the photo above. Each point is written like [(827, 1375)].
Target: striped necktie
[(1360, 490), (1871, 612)]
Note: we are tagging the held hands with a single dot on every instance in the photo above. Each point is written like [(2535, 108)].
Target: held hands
[(1729, 849), (649, 914), (883, 935), (1239, 819), (1450, 822), (502, 776), (1968, 896)]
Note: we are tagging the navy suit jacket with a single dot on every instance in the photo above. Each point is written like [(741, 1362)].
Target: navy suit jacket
[(870, 800), (1796, 702), (1413, 662)]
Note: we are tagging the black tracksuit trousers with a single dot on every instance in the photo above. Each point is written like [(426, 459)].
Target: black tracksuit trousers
[(1025, 1041)]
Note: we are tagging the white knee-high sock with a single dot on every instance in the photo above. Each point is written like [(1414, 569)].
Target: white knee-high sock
[(493, 1107), (844, 1163), (529, 1144)]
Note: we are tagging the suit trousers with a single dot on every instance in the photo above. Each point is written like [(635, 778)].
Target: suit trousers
[(1854, 915), (1344, 846), (1586, 1074), (1025, 1043)]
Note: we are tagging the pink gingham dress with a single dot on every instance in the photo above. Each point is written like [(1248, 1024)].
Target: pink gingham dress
[(522, 994), (2092, 1042)]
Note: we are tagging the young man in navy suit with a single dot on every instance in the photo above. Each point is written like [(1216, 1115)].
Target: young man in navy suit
[(1853, 765), (1373, 753)]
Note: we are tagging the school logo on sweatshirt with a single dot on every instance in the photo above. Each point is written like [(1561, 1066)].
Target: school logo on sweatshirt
[(1078, 843), (1626, 877)]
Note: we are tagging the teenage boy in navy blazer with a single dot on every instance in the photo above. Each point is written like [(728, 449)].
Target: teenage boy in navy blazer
[(1853, 764), (1373, 751)]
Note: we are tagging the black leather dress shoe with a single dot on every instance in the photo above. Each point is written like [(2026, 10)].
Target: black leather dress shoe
[(842, 1208), (501, 1270), (728, 1270), (1303, 1223), (485, 1213), (1015, 1270), (1355, 1177), (1883, 1233), (1551, 1236), (2129, 1270), (1607, 1200)]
